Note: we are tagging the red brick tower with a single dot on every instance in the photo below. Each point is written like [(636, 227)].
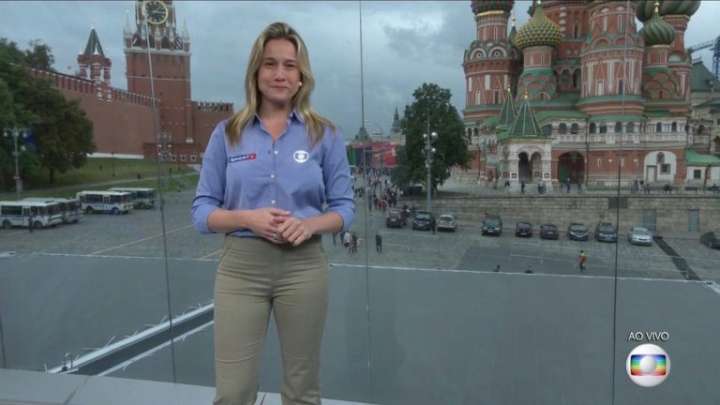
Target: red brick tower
[(489, 59), (95, 66), (610, 86), (156, 34)]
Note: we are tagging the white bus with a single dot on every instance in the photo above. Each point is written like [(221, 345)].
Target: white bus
[(112, 202), (141, 197), (38, 214), (71, 210)]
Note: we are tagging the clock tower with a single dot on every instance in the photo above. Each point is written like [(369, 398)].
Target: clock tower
[(154, 37)]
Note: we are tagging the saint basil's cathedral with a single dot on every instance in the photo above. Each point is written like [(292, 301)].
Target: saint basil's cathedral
[(578, 93)]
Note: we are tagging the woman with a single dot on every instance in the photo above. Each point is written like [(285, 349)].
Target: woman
[(267, 174)]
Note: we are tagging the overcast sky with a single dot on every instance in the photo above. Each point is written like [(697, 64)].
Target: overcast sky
[(405, 44)]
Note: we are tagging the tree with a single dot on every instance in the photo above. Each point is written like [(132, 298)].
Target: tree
[(61, 132), (431, 108), (39, 56)]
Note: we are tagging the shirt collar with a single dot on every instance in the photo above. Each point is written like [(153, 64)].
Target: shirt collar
[(294, 115)]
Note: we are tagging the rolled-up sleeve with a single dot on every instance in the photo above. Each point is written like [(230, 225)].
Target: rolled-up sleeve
[(211, 187), (336, 174)]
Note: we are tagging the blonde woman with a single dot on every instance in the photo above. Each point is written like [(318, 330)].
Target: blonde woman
[(274, 177)]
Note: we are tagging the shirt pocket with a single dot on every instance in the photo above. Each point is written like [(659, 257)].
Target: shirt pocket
[(308, 187)]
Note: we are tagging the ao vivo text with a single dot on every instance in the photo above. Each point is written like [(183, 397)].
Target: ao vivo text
[(648, 336)]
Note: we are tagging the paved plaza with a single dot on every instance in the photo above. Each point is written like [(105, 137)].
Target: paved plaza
[(428, 321)]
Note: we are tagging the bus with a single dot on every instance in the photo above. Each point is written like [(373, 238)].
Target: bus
[(111, 202), (37, 214), (70, 207), (141, 197)]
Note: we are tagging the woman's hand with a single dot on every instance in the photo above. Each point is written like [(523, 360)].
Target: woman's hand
[(265, 222), (295, 230)]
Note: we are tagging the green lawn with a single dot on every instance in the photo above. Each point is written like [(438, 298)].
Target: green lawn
[(104, 169), (121, 172)]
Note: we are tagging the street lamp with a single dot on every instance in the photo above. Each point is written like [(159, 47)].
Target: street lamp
[(16, 133), (429, 152)]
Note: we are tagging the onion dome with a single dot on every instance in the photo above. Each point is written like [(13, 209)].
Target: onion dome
[(481, 6), (656, 31), (539, 31), (646, 8)]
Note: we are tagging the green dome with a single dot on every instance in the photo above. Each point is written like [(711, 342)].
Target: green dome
[(481, 6), (657, 32), (646, 8), (538, 31)]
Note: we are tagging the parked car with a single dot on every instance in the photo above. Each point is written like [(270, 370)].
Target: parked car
[(577, 231), (605, 232), (523, 229), (447, 222), (711, 240), (492, 225), (639, 236), (549, 231), (395, 218), (423, 221)]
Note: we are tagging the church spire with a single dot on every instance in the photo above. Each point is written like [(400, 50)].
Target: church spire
[(93, 45), (525, 125), (507, 113)]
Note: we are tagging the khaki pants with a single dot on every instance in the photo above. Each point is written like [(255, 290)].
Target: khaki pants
[(255, 277)]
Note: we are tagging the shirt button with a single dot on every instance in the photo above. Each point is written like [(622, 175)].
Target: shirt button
[(276, 152), (272, 202), (272, 176)]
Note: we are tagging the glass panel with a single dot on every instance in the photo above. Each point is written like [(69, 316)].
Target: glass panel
[(82, 287), (194, 258), (666, 279), (455, 301)]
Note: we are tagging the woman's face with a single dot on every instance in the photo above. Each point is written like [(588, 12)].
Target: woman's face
[(279, 76)]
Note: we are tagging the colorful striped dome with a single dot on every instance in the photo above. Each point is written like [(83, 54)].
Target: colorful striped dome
[(646, 8), (481, 6), (539, 31), (657, 32)]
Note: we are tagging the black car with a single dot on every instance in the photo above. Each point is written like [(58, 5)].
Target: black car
[(549, 231), (492, 225), (606, 232), (423, 221), (578, 231), (711, 240), (523, 229), (395, 218)]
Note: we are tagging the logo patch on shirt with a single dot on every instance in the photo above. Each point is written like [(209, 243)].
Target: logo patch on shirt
[(244, 156), (301, 156)]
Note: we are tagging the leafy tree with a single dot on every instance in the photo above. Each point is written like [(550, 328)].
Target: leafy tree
[(61, 131), (39, 56), (431, 109)]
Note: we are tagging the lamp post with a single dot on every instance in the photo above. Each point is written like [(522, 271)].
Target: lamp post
[(429, 150), (15, 133)]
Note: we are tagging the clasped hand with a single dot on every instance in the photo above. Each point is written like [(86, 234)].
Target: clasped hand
[(279, 227)]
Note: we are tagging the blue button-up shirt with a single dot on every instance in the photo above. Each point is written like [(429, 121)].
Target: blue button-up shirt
[(287, 173)]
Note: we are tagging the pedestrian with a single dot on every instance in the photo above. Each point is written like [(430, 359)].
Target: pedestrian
[(582, 259), (378, 242), (347, 241), (507, 185), (30, 223), (522, 186), (273, 261), (354, 242)]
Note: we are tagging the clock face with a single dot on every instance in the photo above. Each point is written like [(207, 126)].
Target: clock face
[(156, 12)]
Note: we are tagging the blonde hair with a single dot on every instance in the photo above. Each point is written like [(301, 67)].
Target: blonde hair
[(314, 122)]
